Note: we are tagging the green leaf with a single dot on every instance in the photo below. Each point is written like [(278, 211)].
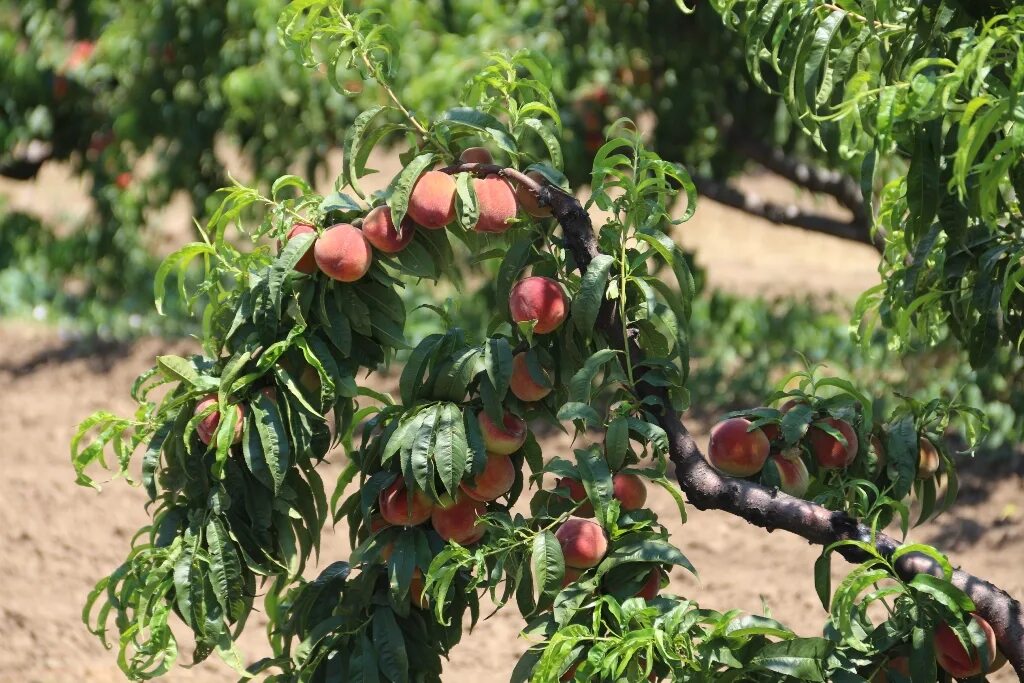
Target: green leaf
[(450, 448), (403, 185), (548, 565), (651, 550), (587, 303), (801, 658), (481, 122), (498, 364), (616, 442), (389, 642)]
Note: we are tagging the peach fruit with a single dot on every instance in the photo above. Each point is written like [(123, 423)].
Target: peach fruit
[(896, 664), (306, 264), (497, 203), (343, 253), (831, 453), (650, 589), (584, 543), (207, 427), (522, 384), (541, 299), (476, 155), (432, 201), (954, 658), (736, 451), (506, 439), (458, 521), (416, 586), (528, 200), (571, 575), (396, 507), (379, 230), (793, 474), (497, 478), (630, 491), (578, 494), (927, 458)]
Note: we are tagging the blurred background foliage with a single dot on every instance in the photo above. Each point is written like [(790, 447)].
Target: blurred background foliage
[(146, 102)]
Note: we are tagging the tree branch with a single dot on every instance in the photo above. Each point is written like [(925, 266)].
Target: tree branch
[(767, 508), (789, 214)]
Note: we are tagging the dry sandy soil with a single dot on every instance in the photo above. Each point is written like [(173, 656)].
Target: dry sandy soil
[(57, 538)]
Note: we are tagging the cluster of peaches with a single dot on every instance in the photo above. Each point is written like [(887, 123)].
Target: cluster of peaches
[(741, 449), (344, 252)]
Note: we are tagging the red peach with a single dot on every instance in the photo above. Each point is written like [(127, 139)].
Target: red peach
[(379, 230), (497, 478), (927, 458), (432, 201), (396, 508), (506, 439), (522, 384), (207, 427), (584, 543), (896, 664), (571, 575), (954, 658), (528, 200), (652, 586), (476, 155), (343, 253), (793, 474), (416, 586), (458, 522), (578, 494), (541, 299), (306, 264), (829, 451), (630, 491), (497, 203), (735, 450)]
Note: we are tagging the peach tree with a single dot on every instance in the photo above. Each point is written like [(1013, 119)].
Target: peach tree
[(444, 489)]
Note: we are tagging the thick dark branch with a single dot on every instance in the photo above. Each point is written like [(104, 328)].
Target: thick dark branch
[(767, 508), (788, 214)]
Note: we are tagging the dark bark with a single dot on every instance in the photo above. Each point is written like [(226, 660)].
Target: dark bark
[(770, 509)]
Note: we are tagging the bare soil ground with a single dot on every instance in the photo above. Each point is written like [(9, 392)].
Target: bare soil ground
[(58, 539)]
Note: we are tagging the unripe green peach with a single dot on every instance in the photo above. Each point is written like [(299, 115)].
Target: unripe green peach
[(629, 490), (528, 200), (497, 478), (497, 204), (343, 253), (432, 200), (737, 450), (521, 383), (396, 507), (828, 450), (306, 264), (379, 230), (584, 543), (506, 439), (541, 299)]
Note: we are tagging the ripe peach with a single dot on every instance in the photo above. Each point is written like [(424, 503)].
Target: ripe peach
[(506, 439), (528, 200), (306, 264), (571, 575), (541, 299), (432, 201), (630, 491), (927, 458), (793, 474), (379, 230), (522, 384), (952, 656), (343, 253), (652, 586), (207, 427), (736, 451), (476, 155), (497, 203), (458, 521), (497, 478), (578, 494), (896, 664), (584, 543), (829, 451), (416, 586), (397, 509)]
